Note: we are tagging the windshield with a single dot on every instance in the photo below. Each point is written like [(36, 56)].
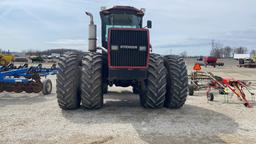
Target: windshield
[(119, 21), (123, 19)]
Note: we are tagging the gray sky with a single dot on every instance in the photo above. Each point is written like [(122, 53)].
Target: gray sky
[(178, 25)]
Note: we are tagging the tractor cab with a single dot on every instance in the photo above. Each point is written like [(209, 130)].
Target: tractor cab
[(119, 17)]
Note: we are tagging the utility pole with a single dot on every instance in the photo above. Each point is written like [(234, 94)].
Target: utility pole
[(213, 44)]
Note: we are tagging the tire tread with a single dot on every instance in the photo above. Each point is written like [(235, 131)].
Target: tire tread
[(177, 82)]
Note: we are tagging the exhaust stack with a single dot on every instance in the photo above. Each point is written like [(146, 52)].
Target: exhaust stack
[(92, 37)]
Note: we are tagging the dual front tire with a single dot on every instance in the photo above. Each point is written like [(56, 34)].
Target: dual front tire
[(79, 81), (91, 85), (154, 91), (166, 84), (68, 82), (177, 82)]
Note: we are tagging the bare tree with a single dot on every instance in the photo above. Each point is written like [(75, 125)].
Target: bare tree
[(227, 51), (217, 52), (183, 54), (253, 52), (240, 50)]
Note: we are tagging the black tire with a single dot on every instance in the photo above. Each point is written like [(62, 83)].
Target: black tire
[(105, 88), (1, 87), (135, 90), (241, 61), (68, 81), (177, 82), (91, 86), (154, 90), (221, 91), (210, 97), (191, 90), (105, 73), (47, 87)]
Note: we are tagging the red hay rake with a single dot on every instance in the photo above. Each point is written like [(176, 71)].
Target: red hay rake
[(236, 87)]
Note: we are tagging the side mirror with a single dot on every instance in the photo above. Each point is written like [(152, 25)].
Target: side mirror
[(149, 24)]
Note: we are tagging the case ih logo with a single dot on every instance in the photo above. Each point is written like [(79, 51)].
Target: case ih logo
[(128, 47)]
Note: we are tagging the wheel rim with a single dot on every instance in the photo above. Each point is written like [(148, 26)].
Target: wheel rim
[(48, 87), (209, 98)]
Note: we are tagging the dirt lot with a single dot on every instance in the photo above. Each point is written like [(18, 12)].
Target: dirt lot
[(34, 118)]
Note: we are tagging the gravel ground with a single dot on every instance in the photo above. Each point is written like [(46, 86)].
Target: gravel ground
[(34, 118)]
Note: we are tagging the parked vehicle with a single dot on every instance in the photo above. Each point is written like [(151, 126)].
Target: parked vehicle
[(212, 61), (125, 59), (245, 60), (6, 59)]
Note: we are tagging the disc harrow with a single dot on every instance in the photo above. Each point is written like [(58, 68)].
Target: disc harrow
[(26, 79)]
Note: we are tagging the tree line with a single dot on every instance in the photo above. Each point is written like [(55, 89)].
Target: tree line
[(49, 52), (227, 52)]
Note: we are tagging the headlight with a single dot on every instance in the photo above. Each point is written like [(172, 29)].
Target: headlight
[(142, 48), (114, 47)]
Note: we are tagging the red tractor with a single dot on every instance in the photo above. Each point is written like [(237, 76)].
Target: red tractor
[(124, 60)]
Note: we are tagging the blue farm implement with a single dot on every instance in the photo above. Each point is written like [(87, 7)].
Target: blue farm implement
[(24, 78)]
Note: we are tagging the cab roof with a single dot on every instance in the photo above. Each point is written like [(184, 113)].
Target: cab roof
[(121, 9)]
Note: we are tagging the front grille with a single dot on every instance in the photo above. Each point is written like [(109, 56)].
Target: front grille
[(128, 47)]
